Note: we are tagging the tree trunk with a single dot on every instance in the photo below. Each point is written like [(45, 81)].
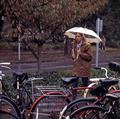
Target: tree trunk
[(39, 61)]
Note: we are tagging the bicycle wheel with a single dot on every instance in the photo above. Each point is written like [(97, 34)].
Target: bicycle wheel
[(90, 112), (116, 105), (48, 106), (8, 109), (116, 109), (74, 105), (7, 115)]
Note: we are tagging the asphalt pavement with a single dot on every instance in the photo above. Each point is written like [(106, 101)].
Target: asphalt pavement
[(57, 61)]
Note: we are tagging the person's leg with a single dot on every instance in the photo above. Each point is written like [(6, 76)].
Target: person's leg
[(75, 82), (85, 81), (103, 47), (75, 85)]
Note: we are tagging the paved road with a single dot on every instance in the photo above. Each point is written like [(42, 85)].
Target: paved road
[(59, 62), (52, 66)]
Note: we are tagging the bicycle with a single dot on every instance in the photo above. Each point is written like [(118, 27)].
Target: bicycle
[(44, 101), (8, 108), (48, 103), (39, 110), (78, 102), (95, 81), (35, 111), (111, 111), (52, 96)]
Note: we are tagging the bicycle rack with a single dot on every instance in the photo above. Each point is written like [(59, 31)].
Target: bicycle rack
[(43, 89)]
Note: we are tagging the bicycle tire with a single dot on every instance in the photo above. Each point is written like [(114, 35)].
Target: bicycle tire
[(8, 108), (48, 106), (116, 107), (90, 112), (5, 114), (72, 106)]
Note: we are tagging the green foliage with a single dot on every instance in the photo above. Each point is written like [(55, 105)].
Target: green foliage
[(54, 46), (8, 86), (63, 15), (112, 23), (1, 15), (97, 73), (51, 17), (54, 78)]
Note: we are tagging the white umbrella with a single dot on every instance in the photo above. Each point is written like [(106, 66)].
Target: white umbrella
[(71, 34)]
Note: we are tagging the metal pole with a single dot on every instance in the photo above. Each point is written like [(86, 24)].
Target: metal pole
[(19, 52), (97, 45), (101, 25), (19, 46)]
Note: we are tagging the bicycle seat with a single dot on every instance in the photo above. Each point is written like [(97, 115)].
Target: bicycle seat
[(20, 77), (112, 96), (102, 89), (96, 79), (108, 82), (114, 66), (69, 80)]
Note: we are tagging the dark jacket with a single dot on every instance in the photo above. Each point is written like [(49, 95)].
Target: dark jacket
[(82, 65)]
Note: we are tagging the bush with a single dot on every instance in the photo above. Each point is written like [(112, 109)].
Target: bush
[(54, 78), (113, 44)]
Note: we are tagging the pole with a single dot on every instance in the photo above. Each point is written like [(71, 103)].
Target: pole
[(19, 52), (97, 45), (101, 25)]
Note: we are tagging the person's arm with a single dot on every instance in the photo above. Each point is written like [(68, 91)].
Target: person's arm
[(87, 54), (73, 54), (72, 51)]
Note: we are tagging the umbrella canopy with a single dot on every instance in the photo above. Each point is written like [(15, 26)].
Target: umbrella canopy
[(94, 39)]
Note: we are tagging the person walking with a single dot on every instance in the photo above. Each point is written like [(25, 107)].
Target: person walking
[(82, 56), (102, 44)]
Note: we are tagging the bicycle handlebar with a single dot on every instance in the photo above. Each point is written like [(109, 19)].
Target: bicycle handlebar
[(5, 67), (5, 63)]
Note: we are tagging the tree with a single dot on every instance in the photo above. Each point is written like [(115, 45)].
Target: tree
[(112, 23), (48, 18), (1, 16)]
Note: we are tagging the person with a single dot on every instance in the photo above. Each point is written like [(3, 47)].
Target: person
[(102, 44), (82, 56)]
